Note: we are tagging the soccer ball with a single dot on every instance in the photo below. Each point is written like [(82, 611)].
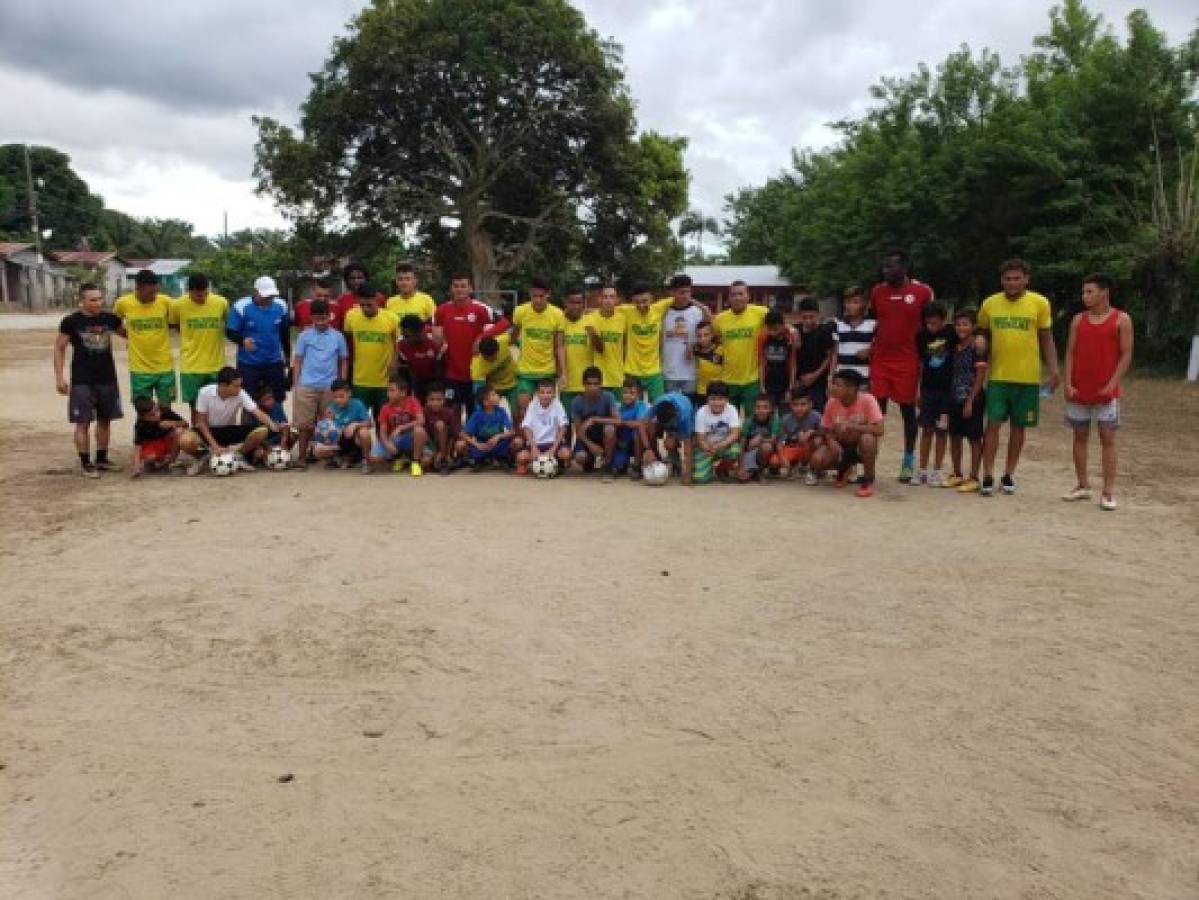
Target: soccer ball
[(327, 432), (223, 465), (656, 474), (545, 466), (278, 459)]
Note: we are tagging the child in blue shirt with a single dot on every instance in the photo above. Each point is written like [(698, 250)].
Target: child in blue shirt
[(352, 421), (488, 434), (630, 434)]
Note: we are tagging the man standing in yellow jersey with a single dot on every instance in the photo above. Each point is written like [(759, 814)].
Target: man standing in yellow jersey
[(577, 346), (410, 301), (739, 328), (371, 333), (643, 340), (538, 327), (605, 327), (200, 317), (147, 318)]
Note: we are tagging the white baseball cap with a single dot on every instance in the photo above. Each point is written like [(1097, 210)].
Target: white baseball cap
[(265, 287)]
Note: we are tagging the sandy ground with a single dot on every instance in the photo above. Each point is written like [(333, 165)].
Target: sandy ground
[(486, 687)]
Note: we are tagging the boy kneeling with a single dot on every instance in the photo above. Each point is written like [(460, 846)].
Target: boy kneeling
[(155, 436), (488, 436), (853, 426)]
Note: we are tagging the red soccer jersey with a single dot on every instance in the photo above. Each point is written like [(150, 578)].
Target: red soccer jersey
[(393, 415), (420, 360), (899, 314), (302, 315), (341, 306), (462, 323)]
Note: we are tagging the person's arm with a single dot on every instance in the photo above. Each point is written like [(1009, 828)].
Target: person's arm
[(233, 329), (1124, 331), (731, 438), (792, 364), (264, 419), (761, 362), (214, 446), (285, 335), (60, 358), (597, 342), (560, 355), (830, 359), (1049, 354), (686, 458), (1071, 339)]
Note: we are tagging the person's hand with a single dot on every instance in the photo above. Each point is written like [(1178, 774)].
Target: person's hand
[(1071, 392), (63, 387), (862, 355), (1054, 381), (274, 426), (1108, 391), (216, 449), (807, 380), (248, 344), (967, 409)]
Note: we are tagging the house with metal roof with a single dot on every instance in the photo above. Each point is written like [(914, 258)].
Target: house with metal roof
[(105, 267), (170, 272), (766, 284), (29, 283)]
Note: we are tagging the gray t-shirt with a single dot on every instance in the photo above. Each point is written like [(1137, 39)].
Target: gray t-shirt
[(678, 333)]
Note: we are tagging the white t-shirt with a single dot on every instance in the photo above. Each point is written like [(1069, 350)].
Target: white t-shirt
[(544, 421), (222, 411), (678, 333), (718, 426)]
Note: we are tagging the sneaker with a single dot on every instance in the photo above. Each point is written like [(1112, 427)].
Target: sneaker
[(415, 470), (916, 480), (953, 481), (364, 467), (634, 473), (197, 465), (598, 464), (1009, 486), (865, 489), (1078, 493), (906, 471), (240, 465), (811, 479), (936, 479), (106, 465), (968, 486), (88, 470), (987, 488), (1108, 502), (398, 466), (784, 472)]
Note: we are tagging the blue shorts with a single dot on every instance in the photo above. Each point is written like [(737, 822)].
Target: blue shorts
[(502, 450), (403, 444)]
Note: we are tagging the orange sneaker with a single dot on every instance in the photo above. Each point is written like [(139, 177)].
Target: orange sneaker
[(865, 489)]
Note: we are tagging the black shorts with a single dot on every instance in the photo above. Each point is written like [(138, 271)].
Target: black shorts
[(461, 393), (254, 378), (93, 401), (969, 428), (935, 410), (232, 435)]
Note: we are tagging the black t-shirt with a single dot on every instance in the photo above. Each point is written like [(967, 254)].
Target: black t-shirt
[(936, 359), (91, 342), (145, 431), (775, 351), (814, 346)]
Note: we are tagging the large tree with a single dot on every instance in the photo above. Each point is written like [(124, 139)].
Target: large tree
[(501, 128), (65, 205)]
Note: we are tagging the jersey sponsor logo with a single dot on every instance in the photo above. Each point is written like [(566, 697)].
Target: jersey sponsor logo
[(909, 299), (645, 330), (472, 318), (576, 339), (371, 337), (146, 324), (1012, 323), (737, 334), (540, 334), (612, 337), (210, 324)]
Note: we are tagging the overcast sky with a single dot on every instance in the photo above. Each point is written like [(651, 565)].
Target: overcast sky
[(152, 100)]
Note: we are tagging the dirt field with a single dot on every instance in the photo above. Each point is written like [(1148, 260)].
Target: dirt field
[(487, 687)]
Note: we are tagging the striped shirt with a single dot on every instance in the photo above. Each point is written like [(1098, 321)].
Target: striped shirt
[(851, 339)]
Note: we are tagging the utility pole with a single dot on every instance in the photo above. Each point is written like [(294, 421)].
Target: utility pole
[(37, 232), (226, 227)]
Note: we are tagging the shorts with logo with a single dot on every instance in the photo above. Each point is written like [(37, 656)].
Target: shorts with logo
[(159, 386), (704, 464), (93, 401), (1019, 403), (308, 404), (191, 382), (1105, 415), (936, 408)]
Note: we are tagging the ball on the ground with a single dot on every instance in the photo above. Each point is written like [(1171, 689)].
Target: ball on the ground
[(278, 459), (656, 474), (326, 432), (545, 466), (223, 465)]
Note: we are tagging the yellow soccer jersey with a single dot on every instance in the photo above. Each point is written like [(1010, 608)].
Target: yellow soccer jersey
[(578, 351), (419, 304), (1015, 340), (537, 330), (374, 345), (148, 328), (739, 334), (611, 330), (201, 332), (499, 373), (643, 338)]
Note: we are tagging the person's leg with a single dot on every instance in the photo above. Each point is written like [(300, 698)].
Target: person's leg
[(976, 454), (83, 442), (990, 448), (926, 445), (940, 440), (1082, 435), (908, 410), (1015, 446), (955, 454), (256, 439), (609, 442), (103, 436), (420, 438), (1107, 442)]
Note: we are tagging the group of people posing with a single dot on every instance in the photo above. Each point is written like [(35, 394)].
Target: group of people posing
[(404, 383)]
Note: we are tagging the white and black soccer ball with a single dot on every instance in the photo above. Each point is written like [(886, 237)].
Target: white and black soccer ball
[(656, 474), (545, 466), (278, 459), (223, 464)]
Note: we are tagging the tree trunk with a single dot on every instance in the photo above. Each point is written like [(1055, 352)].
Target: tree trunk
[(480, 250)]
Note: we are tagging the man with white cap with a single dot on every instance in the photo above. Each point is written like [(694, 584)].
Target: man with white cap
[(261, 328)]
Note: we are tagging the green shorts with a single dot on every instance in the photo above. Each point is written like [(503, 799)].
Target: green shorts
[(158, 386), (191, 382), (704, 464), (372, 397), (653, 385), (742, 396), (527, 384), (1019, 403)]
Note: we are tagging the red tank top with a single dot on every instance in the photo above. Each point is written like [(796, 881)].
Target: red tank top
[(1096, 355)]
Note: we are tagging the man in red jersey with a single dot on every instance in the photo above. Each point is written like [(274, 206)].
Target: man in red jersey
[(898, 303), (418, 356), (321, 290), (1098, 355), (354, 275), (463, 322)]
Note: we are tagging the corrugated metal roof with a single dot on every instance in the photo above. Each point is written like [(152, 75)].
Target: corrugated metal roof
[(85, 257), (157, 266), (11, 248), (723, 276)]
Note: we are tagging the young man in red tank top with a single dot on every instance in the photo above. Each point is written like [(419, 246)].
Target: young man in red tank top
[(1098, 354)]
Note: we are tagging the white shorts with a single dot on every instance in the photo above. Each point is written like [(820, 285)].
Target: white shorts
[(1105, 415)]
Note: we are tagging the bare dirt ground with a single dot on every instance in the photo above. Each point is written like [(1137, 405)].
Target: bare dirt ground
[(487, 687)]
